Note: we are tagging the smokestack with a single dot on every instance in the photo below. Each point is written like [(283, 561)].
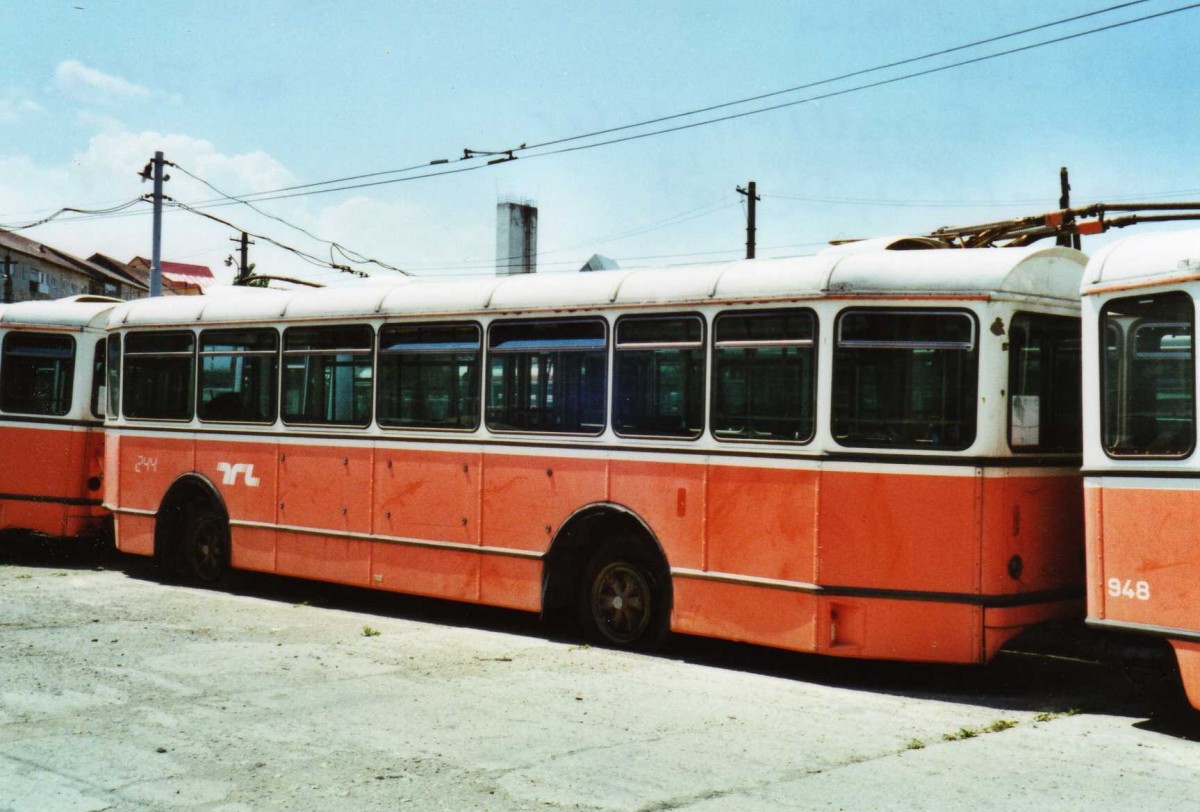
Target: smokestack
[(516, 237)]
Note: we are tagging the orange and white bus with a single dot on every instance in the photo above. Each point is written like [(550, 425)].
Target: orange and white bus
[(865, 453), (51, 415), (1142, 472)]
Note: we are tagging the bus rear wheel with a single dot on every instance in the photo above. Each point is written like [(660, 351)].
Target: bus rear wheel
[(621, 603), (204, 547)]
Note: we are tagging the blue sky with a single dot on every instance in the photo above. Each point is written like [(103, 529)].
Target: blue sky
[(256, 96)]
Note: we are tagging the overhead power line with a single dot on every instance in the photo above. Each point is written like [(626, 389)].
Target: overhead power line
[(69, 210)]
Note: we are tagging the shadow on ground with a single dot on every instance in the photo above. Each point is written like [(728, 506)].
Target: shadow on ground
[(1056, 669)]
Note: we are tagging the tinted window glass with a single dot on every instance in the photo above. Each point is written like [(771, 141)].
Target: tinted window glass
[(429, 376), (1148, 375), (98, 380), (238, 371), (327, 375), (764, 376), (904, 379), (36, 373), (159, 375), (547, 376), (1045, 395), (659, 386), (114, 374)]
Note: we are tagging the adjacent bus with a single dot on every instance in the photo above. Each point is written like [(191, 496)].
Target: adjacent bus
[(1142, 472), (51, 415), (865, 453)]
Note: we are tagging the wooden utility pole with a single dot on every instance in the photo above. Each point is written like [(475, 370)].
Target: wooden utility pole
[(751, 198), (244, 265)]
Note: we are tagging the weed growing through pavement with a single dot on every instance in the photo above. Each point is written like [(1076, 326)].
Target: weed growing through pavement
[(369, 632), (915, 744), (1051, 716)]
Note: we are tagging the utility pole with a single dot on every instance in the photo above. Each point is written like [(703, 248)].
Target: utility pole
[(8, 280), (751, 198), (244, 266), (154, 171), (1065, 238)]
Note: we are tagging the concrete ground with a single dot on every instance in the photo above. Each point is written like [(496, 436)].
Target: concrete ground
[(118, 691)]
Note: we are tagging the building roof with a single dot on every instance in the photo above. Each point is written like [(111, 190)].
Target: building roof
[(180, 274), (134, 277), (31, 248)]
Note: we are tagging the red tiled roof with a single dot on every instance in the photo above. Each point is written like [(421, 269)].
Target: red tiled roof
[(180, 274)]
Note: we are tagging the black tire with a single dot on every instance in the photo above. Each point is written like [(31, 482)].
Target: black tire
[(622, 603), (204, 545)]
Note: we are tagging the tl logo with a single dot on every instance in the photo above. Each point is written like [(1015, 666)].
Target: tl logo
[(230, 473)]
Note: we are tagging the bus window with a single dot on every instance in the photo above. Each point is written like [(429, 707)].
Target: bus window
[(764, 366), (98, 393), (905, 379), (659, 378), (37, 372), (113, 373), (159, 376), (429, 376), (1148, 376), (327, 375), (238, 369), (1045, 393), (547, 376)]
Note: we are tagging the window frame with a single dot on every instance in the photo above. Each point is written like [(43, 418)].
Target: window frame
[(191, 354), (814, 344), (702, 345), (1040, 447), (5, 364), (99, 379), (278, 383), (973, 345), (487, 376), (368, 351), (480, 367)]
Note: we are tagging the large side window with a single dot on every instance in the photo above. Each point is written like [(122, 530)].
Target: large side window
[(159, 375), (547, 376), (658, 387), (36, 373), (238, 371), (327, 375), (98, 380), (113, 373), (764, 376), (1045, 395), (1148, 375), (905, 379), (429, 376)]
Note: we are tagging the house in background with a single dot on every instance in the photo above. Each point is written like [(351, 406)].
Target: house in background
[(178, 278), (34, 270)]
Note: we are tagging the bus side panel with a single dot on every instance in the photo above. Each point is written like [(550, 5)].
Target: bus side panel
[(744, 613), (423, 571), (884, 629), (1188, 657), (135, 534), (514, 583), (39, 463), (146, 467), (670, 499), (894, 531), (326, 488), (1039, 519), (1093, 500), (245, 474), (762, 522), (1150, 576), (323, 558), (427, 495), (525, 499)]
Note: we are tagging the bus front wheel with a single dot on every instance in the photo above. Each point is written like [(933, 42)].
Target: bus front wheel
[(204, 550)]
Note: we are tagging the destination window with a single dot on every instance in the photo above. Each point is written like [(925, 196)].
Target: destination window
[(1044, 388), (36, 373), (1148, 376), (658, 390), (238, 371), (547, 376), (159, 375), (327, 375), (764, 376), (905, 379), (429, 376)]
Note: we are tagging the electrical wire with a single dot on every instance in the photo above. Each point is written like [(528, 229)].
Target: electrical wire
[(71, 209)]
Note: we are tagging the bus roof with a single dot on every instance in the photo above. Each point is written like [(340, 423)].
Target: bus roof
[(74, 311), (1144, 260), (1051, 272)]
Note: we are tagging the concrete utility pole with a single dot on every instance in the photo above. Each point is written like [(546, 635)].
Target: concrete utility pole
[(751, 198), (156, 240), (8, 280), (244, 266), (1064, 202)]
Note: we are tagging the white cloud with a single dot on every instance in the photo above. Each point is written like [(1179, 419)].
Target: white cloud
[(91, 85), (14, 106)]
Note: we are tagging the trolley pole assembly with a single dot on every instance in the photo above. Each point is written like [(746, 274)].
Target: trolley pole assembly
[(751, 198)]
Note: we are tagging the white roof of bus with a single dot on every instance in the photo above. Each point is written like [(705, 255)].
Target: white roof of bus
[(75, 311), (1049, 272), (1144, 259)]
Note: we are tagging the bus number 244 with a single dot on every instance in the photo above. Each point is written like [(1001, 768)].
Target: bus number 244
[(1138, 590)]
